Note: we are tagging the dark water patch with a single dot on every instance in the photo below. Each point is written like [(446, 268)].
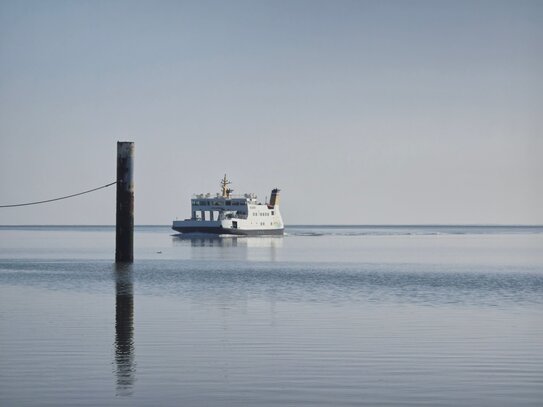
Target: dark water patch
[(411, 283)]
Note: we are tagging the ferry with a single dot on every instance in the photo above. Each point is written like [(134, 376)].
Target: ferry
[(228, 214)]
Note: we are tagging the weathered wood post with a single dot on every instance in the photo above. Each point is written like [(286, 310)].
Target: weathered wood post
[(124, 239)]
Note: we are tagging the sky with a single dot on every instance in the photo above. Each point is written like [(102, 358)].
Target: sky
[(361, 112)]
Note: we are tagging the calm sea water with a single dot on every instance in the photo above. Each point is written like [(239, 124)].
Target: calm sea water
[(331, 316)]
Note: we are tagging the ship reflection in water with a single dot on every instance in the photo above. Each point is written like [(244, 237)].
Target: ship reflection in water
[(226, 247), (125, 365)]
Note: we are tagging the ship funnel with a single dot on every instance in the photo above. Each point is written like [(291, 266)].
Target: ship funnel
[(274, 198)]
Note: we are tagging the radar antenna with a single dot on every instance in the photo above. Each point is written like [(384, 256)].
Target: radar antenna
[(224, 187)]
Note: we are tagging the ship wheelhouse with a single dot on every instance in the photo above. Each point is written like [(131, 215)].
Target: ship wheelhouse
[(218, 208)]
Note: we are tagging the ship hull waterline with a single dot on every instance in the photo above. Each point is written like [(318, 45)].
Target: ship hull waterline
[(224, 231)]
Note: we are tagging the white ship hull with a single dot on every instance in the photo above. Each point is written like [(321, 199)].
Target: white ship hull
[(223, 231), (245, 227)]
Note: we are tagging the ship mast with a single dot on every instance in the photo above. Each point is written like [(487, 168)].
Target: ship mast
[(224, 187)]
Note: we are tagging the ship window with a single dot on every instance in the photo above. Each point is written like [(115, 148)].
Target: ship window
[(272, 212), (228, 202)]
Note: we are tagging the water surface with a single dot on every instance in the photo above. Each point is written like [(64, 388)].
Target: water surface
[(380, 315)]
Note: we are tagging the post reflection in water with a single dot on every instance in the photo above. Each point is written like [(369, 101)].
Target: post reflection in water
[(124, 329)]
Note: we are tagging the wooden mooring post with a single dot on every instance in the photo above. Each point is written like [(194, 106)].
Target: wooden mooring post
[(124, 237)]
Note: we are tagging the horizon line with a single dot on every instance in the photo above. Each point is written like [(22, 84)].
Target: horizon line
[(308, 225)]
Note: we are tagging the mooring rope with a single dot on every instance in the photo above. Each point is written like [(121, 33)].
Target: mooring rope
[(58, 199)]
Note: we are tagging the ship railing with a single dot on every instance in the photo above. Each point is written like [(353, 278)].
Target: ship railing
[(205, 196), (234, 217)]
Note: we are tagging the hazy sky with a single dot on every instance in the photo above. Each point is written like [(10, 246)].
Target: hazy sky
[(362, 112)]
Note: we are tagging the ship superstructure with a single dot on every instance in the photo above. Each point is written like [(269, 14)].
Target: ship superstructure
[(230, 214)]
